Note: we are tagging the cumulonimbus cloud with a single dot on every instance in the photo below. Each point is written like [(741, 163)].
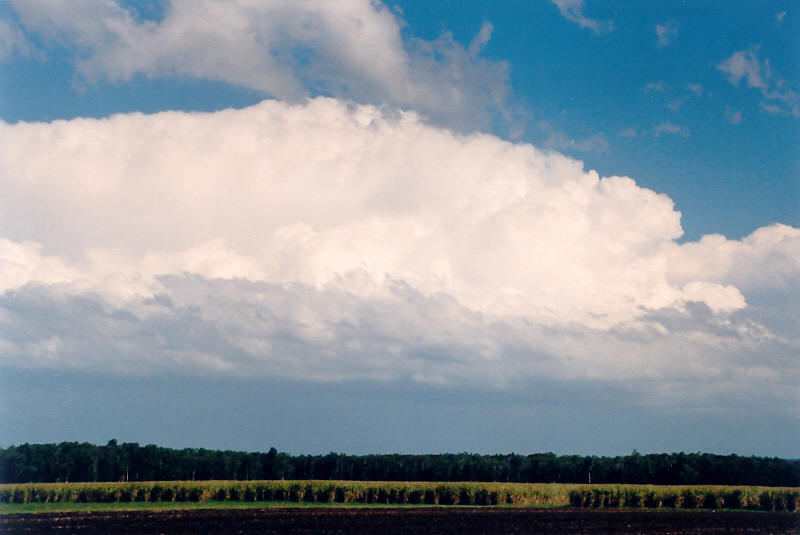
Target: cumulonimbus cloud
[(332, 240), (315, 193)]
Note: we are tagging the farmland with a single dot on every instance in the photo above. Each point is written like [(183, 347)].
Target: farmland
[(416, 520), (393, 507), (408, 493)]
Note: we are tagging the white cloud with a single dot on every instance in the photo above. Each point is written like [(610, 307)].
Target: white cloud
[(771, 108), (573, 10), (674, 105), (285, 49), (254, 329), (734, 117), (629, 132), (765, 261), (666, 32), (778, 96), (656, 86), (743, 65), (324, 190), (481, 39), (12, 41), (560, 141), (668, 127), (24, 262), (697, 89), (332, 241), (780, 16)]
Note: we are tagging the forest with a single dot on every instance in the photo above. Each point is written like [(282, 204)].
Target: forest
[(86, 462)]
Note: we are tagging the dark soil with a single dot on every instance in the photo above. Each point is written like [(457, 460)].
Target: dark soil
[(461, 521)]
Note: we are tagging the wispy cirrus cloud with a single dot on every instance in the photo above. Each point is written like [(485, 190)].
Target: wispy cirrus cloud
[(745, 65), (666, 33), (734, 116), (696, 89), (656, 86), (759, 74), (596, 143), (668, 127), (573, 10), (13, 41), (677, 96)]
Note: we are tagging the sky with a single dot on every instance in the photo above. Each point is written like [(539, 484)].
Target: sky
[(417, 227)]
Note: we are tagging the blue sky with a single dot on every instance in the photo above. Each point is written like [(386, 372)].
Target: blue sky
[(348, 199)]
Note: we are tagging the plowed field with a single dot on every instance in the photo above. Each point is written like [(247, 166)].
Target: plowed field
[(461, 521)]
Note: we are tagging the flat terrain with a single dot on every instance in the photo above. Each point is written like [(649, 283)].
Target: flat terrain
[(429, 520)]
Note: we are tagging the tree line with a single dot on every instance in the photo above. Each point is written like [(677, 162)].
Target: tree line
[(85, 462)]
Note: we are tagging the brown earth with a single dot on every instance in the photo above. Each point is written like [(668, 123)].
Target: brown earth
[(461, 521)]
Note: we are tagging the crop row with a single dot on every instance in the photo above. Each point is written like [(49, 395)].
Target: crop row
[(689, 497), (523, 494)]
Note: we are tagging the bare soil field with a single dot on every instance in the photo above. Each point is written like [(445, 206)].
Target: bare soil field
[(461, 521)]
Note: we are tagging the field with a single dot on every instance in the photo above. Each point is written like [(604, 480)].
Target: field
[(413, 520), (210, 507), (404, 493)]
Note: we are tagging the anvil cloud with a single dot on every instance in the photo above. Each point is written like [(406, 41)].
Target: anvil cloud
[(332, 241)]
